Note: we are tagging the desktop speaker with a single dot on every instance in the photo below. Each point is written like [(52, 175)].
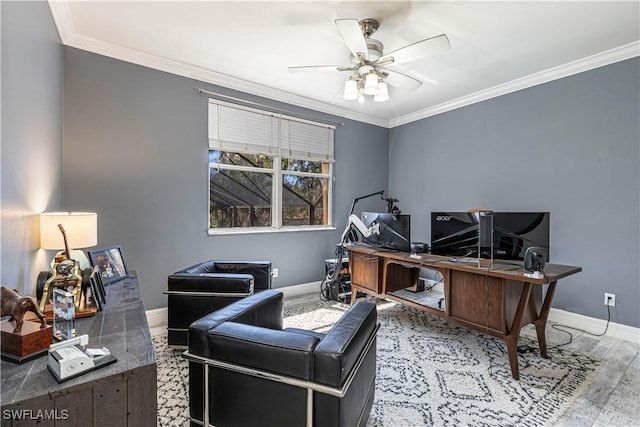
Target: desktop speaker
[(534, 259)]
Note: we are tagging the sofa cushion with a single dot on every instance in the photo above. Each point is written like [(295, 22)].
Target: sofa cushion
[(318, 335), (285, 353)]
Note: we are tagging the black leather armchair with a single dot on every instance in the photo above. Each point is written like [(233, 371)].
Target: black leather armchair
[(208, 286), (245, 370)]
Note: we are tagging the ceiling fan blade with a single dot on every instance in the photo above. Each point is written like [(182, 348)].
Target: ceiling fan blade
[(308, 68), (418, 50), (352, 35), (401, 81)]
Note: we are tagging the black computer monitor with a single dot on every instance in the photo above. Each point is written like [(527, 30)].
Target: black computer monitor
[(395, 230), (456, 234), (515, 232)]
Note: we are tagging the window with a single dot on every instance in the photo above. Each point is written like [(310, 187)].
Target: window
[(267, 171)]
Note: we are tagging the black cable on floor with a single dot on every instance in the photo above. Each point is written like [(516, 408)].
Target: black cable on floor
[(557, 327)]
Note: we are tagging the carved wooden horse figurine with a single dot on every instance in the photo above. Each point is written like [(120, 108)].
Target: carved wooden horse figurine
[(14, 305)]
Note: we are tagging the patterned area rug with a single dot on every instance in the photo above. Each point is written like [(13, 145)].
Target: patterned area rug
[(430, 373)]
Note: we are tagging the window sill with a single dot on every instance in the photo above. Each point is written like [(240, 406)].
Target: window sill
[(227, 231)]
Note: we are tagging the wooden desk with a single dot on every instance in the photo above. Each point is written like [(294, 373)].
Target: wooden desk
[(121, 394), (498, 301)]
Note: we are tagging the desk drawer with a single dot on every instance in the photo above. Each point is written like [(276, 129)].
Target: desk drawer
[(366, 271), (477, 300)]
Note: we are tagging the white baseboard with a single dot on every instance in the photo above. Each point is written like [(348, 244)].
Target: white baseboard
[(303, 289), (158, 318), (593, 325)]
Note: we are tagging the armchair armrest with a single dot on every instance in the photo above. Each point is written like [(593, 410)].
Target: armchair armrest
[(336, 355), (276, 351), (211, 282), (263, 309)]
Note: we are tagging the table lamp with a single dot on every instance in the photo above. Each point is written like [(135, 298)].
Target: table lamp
[(81, 229)]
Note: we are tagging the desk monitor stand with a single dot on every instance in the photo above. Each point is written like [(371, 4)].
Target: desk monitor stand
[(485, 239)]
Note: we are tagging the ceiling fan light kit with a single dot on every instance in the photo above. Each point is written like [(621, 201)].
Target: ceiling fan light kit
[(350, 90), (371, 84), (368, 61), (383, 92)]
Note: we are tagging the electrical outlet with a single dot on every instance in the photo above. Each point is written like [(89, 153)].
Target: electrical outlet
[(274, 272), (610, 299)]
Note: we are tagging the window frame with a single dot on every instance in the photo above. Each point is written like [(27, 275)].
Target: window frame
[(277, 172)]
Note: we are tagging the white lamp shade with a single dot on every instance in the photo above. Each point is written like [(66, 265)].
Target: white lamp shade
[(350, 90), (81, 229), (383, 93), (371, 84)]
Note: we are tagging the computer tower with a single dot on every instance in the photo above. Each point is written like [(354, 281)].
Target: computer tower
[(337, 283)]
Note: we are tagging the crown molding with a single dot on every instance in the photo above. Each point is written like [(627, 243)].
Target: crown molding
[(203, 75), (64, 23), (62, 18), (611, 56)]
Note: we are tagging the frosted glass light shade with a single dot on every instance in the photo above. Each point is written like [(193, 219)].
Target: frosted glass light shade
[(81, 229), (383, 93), (350, 90), (371, 84)]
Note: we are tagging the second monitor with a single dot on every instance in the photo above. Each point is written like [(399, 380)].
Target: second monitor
[(395, 230)]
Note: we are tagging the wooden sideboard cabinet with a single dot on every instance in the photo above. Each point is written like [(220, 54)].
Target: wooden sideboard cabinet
[(121, 394)]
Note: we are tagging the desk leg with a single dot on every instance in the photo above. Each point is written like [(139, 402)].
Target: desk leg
[(541, 322), (354, 294), (385, 267), (512, 336)]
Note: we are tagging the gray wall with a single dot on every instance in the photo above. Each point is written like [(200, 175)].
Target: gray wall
[(31, 147), (135, 151), (570, 147)]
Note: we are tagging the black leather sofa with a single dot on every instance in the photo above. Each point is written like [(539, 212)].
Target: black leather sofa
[(245, 370), (208, 286)]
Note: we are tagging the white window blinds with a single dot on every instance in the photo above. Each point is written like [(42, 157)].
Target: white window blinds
[(246, 130), (306, 141), (242, 130)]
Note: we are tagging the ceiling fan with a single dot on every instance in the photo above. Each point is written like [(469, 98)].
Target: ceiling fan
[(368, 62)]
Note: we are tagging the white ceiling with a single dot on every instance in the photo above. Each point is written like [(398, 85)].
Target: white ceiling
[(496, 47)]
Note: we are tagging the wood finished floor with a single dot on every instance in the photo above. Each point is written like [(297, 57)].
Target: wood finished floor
[(613, 400)]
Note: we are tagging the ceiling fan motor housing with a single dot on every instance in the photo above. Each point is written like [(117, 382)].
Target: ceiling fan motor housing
[(374, 47), (369, 26)]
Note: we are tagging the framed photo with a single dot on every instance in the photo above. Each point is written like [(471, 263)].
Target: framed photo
[(110, 264), (94, 281), (98, 281)]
